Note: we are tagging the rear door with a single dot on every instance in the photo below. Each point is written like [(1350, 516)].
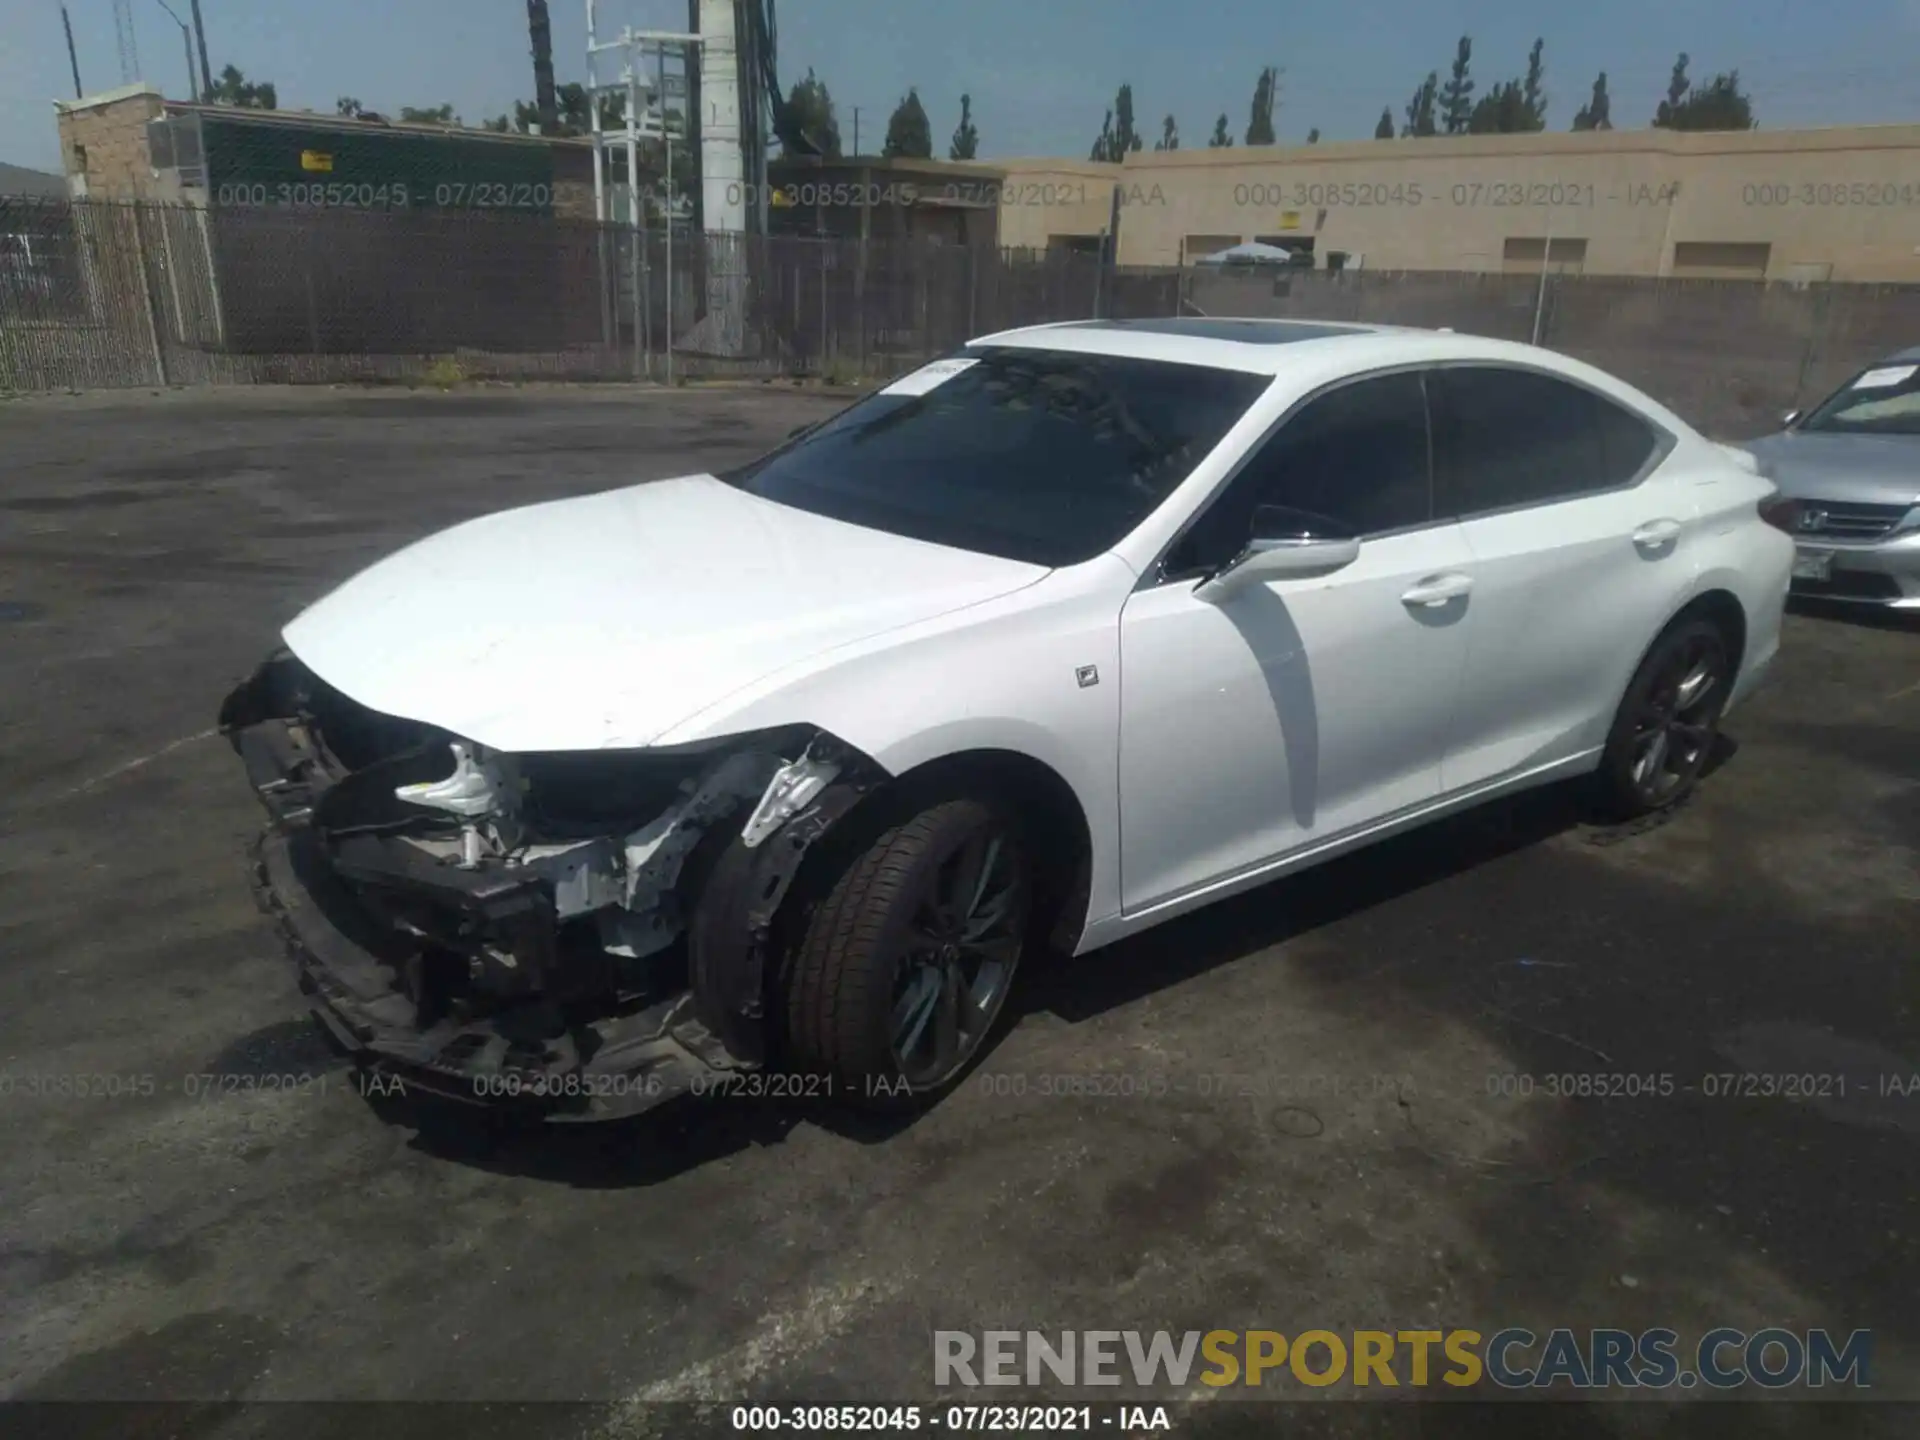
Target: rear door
[(1581, 550)]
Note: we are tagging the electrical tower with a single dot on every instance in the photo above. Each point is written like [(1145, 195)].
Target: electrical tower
[(123, 33)]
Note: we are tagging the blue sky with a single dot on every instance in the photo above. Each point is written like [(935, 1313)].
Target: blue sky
[(1041, 72)]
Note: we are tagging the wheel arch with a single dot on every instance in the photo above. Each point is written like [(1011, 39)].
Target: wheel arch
[(1060, 833), (1723, 608)]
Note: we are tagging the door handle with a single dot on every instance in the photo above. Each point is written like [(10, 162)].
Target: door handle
[(1438, 589), (1656, 533)]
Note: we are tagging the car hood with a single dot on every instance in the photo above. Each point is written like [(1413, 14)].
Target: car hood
[(1866, 469), (601, 622)]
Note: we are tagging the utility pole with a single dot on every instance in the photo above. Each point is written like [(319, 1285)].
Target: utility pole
[(186, 43), (856, 130), (540, 31), (206, 71), (73, 57)]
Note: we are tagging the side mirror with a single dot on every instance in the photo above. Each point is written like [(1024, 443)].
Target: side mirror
[(1286, 544), (1790, 419)]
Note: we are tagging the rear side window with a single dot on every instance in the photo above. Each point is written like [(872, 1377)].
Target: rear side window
[(1504, 438), (1356, 455)]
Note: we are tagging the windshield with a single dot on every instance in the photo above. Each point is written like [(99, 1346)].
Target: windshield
[(1882, 401), (1034, 455)]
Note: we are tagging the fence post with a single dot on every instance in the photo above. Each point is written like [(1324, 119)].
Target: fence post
[(146, 296), (637, 271), (1816, 331), (973, 290), (313, 306)]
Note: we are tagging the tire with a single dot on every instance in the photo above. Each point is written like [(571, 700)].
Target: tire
[(891, 944), (1668, 723)]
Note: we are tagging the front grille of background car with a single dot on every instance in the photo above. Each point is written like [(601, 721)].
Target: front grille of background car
[(1841, 520)]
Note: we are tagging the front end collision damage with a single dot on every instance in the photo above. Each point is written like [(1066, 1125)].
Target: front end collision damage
[(583, 934)]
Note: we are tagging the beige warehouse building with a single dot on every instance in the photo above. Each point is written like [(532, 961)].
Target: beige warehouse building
[(1839, 204)]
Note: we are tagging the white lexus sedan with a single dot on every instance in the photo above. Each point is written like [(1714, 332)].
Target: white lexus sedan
[(765, 783)]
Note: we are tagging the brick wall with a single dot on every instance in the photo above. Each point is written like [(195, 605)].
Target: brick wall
[(105, 142)]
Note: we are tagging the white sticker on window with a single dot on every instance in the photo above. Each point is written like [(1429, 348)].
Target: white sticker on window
[(919, 382), (1885, 376)]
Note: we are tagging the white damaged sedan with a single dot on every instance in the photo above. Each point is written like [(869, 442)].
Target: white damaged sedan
[(768, 781)]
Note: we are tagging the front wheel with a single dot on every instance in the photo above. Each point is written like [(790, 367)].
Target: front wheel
[(1668, 722), (904, 967)]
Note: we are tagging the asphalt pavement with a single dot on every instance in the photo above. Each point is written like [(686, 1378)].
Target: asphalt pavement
[(1321, 1105)]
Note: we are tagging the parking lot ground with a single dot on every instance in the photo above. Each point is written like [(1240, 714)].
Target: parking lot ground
[(1322, 1105)]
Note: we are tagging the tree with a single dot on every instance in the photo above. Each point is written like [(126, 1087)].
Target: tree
[(908, 131), (1594, 115), (812, 128), (1456, 100), (1420, 116), (571, 114), (233, 88), (1531, 90), (433, 115), (1169, 135), (499, 123), (1260, 117), (1384, 130), (1676, 93), (1118, 138), (1501, 111), (966, 139), (1220, 139), (349, 107), (1720, 104), (1313, 135)]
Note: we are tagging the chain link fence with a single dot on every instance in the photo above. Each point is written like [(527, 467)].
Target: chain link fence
[(102, 293), (1728, 355)]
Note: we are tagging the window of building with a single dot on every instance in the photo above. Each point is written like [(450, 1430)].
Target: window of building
[(1721, 260), (80, 159), (1503, 438), (1563, 254), (1356, 455), (1192, 247)]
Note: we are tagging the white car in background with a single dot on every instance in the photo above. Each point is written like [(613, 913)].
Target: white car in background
[(767, 782)]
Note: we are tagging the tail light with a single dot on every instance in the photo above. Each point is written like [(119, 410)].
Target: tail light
[(1781, 513)]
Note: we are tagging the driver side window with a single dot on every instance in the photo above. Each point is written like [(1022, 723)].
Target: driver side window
[(1357, 455)]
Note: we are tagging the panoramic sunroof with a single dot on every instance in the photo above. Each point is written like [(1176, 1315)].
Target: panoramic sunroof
[(1246, 332)]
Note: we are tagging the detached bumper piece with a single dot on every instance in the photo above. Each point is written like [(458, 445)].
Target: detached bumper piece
[(461, 983)]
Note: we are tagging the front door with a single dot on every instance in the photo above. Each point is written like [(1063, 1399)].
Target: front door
[(1296, 709)]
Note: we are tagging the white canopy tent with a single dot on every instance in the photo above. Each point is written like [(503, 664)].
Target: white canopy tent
[(1251, 252)]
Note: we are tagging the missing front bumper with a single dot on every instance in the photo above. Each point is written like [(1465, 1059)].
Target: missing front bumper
[(564, 1031), (526, 1057)]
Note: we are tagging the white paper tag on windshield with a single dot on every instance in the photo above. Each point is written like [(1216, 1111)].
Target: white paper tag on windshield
[(919, 382), (1885, 376)]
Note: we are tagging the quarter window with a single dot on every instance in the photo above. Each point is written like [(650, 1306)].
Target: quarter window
[(1503, 438), (1356, 455)]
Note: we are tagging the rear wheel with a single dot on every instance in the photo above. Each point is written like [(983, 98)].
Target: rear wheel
[(902, 970), (1669, 719)]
